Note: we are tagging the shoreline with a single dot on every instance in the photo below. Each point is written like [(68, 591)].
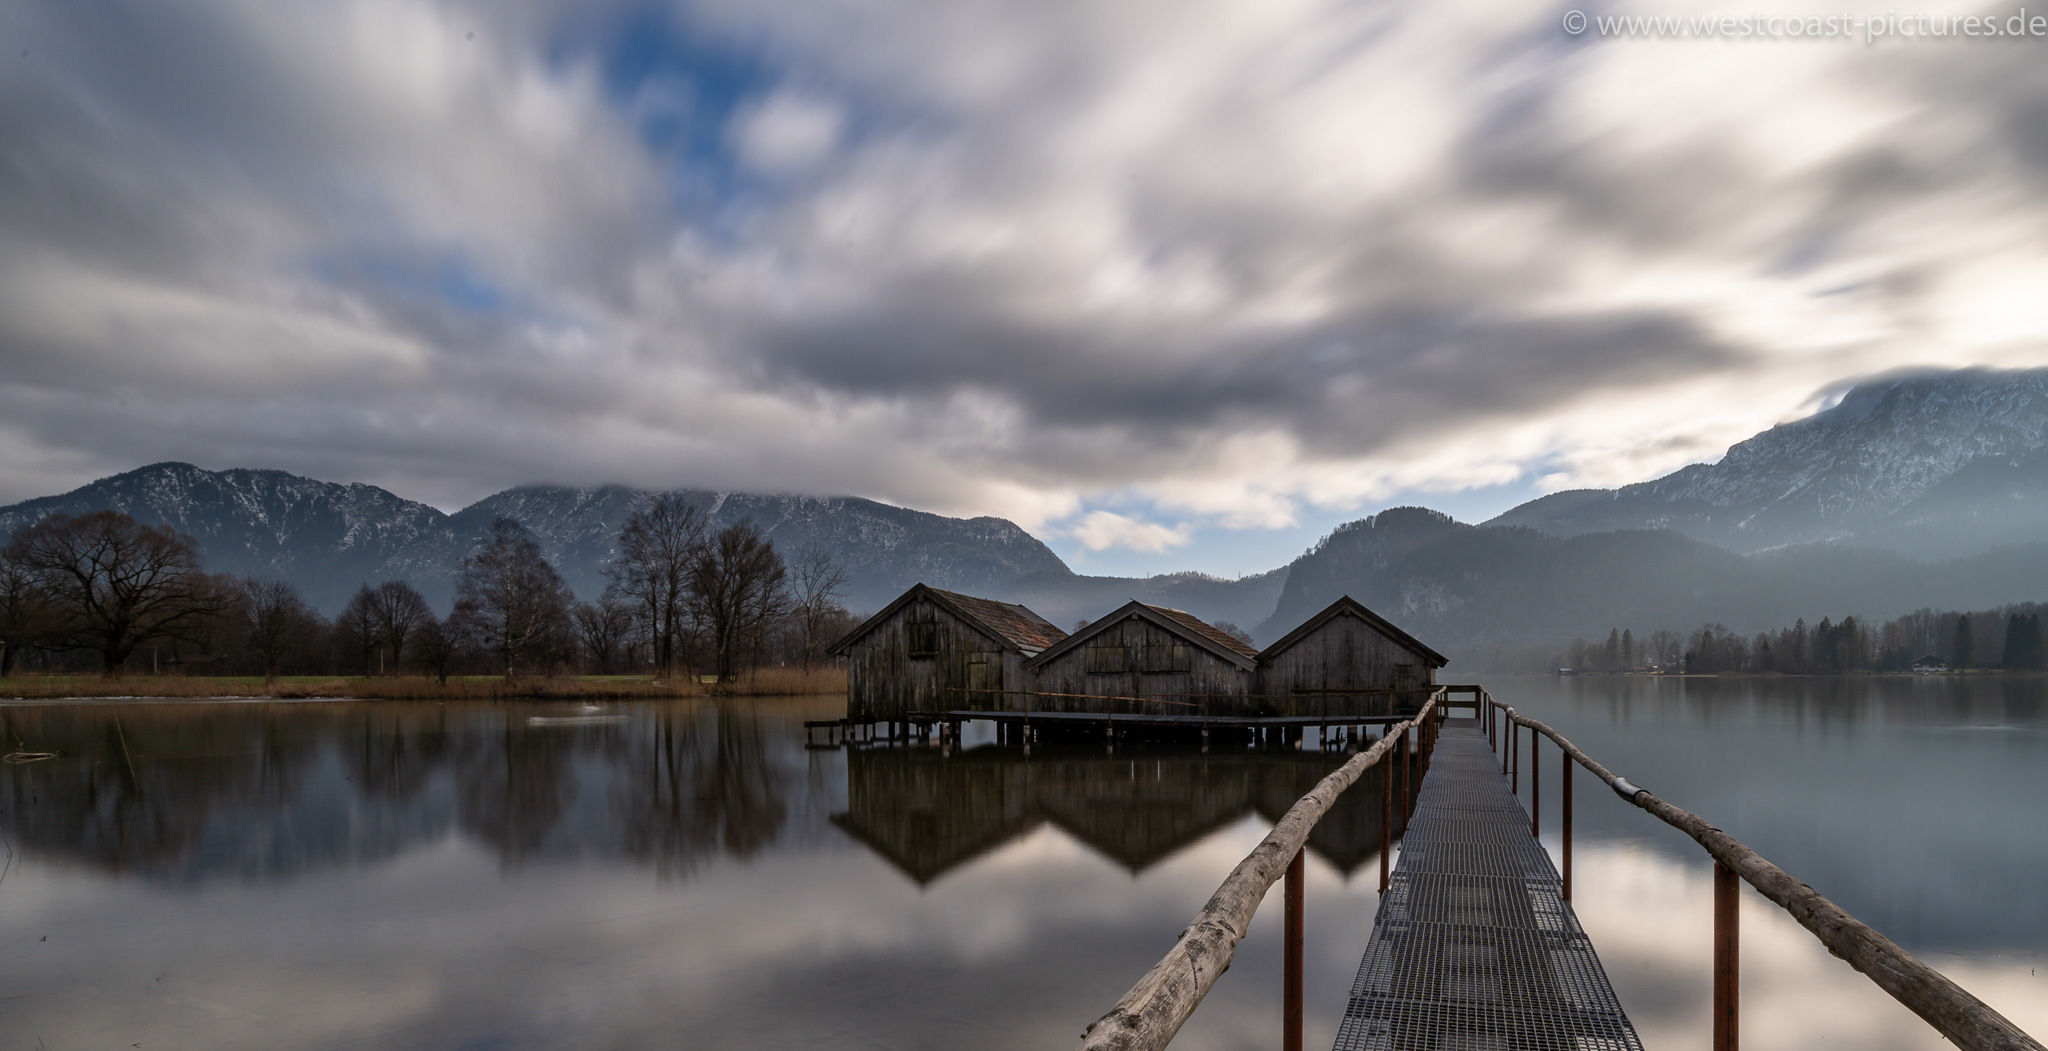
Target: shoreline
[(774, 682)]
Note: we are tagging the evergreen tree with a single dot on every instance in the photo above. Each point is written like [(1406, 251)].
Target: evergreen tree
[(2022, 643), (1628, 650), (1963, 644)]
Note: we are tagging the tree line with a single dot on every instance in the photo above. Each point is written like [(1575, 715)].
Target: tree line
[(102, 589), (2006, 638)]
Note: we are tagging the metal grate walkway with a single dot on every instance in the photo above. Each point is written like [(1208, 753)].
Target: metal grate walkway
[(1474, 946)]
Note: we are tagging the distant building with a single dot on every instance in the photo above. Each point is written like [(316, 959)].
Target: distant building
[(1146, 659), (1346, 659), (933, 650), (1929, 664)]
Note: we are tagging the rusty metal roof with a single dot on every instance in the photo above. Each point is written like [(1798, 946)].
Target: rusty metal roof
[(1205, 629), (1004, 622), (1016, 624), (1179, 621)]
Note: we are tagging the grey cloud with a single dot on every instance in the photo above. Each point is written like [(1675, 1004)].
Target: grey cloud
[(275, 209)]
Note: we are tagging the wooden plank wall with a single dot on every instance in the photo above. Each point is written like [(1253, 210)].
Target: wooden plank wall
[(884, 681), (1201, 678), (1345, 653)]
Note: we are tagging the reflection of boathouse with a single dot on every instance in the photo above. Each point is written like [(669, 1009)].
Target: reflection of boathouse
[(933, 650), (927, 813)]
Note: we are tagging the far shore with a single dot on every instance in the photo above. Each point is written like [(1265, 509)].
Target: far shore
[(764, 682)]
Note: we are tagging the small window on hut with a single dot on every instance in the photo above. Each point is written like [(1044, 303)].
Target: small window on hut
[(922, 638), (1166, 657), (1107, 660)]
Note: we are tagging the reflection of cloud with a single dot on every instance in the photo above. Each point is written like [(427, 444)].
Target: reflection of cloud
[(1651, 919)]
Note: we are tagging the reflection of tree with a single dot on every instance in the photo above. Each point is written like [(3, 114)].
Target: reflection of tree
[(136, 788), (514, 784), (686, 793), (397, 750), (270, 790)]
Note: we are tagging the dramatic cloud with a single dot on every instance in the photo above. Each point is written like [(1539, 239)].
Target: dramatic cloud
[(1228, 261)]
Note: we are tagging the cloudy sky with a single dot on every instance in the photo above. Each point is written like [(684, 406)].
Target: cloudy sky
[(1175, 284)]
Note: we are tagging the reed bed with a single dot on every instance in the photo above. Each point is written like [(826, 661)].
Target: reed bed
[(758, 683)]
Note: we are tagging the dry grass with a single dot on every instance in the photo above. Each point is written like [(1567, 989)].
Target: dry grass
[(760, 683)]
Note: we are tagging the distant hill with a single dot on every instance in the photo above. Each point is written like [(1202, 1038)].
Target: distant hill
[(1452, 584), (325, 537), (329, 538), (1922, 490), (1932, 466)]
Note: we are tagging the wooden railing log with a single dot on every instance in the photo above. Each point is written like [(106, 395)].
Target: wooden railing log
[(1966, 1021), (1154, 1010)]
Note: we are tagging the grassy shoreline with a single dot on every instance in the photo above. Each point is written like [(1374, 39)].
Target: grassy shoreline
[(762, 683)]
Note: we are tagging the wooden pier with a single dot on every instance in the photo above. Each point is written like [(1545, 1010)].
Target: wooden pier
[(1474, 944)]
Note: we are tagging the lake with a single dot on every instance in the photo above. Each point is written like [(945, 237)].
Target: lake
[(689, 874)]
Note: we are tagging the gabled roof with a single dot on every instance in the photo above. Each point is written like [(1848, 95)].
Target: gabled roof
[(1011, 625), (1353, 607), (1180, 622)]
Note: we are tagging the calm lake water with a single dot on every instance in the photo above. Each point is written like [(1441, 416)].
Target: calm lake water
[(688, 874)]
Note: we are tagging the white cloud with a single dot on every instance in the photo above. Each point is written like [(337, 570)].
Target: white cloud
[(787, 132), (1103, 530)]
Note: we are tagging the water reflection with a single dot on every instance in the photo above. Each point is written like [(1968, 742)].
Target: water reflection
[(1912, 802), (193, 791), (332, 874), (928, 813)]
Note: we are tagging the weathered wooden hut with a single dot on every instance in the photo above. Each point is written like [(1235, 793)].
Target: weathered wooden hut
[(1349, 660), (1172, 661), (933, 650)]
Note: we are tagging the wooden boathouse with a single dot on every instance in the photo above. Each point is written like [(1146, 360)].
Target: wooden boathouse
[(1346, 659), (932, 650), (1145, 658)]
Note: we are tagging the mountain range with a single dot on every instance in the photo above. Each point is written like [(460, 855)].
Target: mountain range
[(330, 538), (1912, 490)]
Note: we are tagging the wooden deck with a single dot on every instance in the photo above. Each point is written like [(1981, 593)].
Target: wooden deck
[(1474, 945)]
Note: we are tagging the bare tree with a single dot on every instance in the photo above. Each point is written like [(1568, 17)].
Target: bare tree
[(658, 547), (398, 611), (817, 582), (355, 630), (437, 647), (25, 611), (1235, 632), (736, 590), (601, 627), (277, 622), (115, 584), (511, 601)]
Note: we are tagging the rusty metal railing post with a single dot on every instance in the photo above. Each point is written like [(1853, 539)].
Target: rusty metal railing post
[(1727, 938), (1290, 1038), (1566, 791), (1386, 822), (1407, 757), (1515, 756), (1536, 786)]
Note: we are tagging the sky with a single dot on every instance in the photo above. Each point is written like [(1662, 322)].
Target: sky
[(1174, 285)]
